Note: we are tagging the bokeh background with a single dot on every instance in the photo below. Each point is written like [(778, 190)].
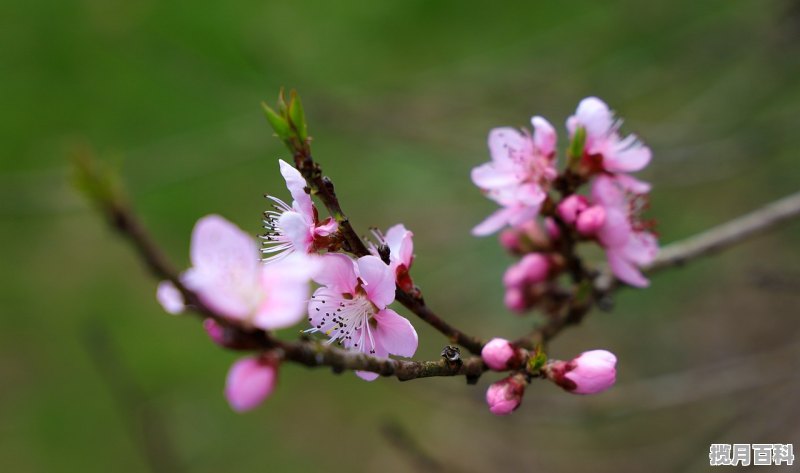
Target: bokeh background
[(400, 97)]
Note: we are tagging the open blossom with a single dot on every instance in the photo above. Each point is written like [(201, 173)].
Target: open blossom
[(505, 396), (351, 308), (590, 373), (518, 175), (604, 149), (626, 237), (228, 277), (296, 227), (400, 243), (250, 380)]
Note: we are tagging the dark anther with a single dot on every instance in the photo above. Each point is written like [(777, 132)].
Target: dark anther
[(451, 354), (383, 252)]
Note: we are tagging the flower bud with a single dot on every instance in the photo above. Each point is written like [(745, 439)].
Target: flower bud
[(590, 373), (571, 207), (536, 266), (250, 381), (510, 240), (505, 395), (552, 228), (515, 299), (591, 220), (500, 355), (215, 331)]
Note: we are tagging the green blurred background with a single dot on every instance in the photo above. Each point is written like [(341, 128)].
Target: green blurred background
[(400, 97)]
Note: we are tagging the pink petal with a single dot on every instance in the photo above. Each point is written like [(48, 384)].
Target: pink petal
[(401, 245), (170, 298), (379, 280), (395, 334), (298, 229), (296, 184), (318, 309), (249, 382), (493, 222), (220, 248), (327, 227), (490, 176), (503, 142), (605, 191), (628, 155), (616, 230), (626, 271), (594, 115), (337, 272), (286, 287), (544, 136), (225, 271), (641, 249), (631, 184), (367, 375)]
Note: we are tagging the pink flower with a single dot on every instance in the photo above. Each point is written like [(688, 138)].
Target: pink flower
[(518, 175), (295, 228), (500, 355), (351, 308), (590, 373), (626, 237), (400, 243), (505, 396), (531, 269), (604, 148), (250, 381), (227, 277)]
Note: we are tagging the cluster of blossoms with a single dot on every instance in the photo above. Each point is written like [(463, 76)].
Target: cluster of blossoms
[(350, 306), (521, 176), (249, 288), (545, 216)]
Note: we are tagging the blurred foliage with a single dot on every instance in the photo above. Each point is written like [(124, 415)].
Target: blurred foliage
[(399, 97)]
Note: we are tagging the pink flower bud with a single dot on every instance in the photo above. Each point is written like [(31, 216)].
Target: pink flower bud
[(591, 220), (505, 395), (570, 207), (590, 373), (250, 381), (500, 355), (536, 266), (552, 228), (509, 239), (215, 331), (515, 300)]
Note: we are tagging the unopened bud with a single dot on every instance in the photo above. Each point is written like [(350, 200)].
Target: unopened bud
[(571, 207), (590, 373), (504, 396), (500, 355), (250, 381), (591, 220)]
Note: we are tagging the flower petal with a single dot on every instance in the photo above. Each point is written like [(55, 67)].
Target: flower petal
[(286, 286), (170, 298), (400, 243), (626, 271), (395, 334), (493, 222), (491, 176), (298, 229), (337, 272), (627, 155), (379, 280), (594, 115), (504, 144), (544, 136), (226, 267), (296, 184)]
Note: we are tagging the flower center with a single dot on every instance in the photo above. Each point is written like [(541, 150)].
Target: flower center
[(346, 319)]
